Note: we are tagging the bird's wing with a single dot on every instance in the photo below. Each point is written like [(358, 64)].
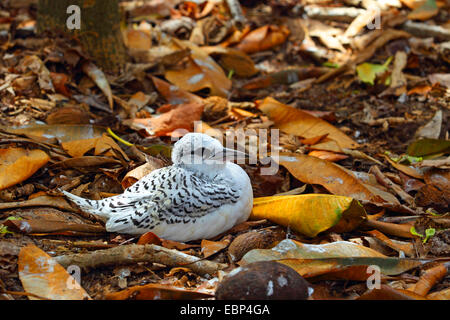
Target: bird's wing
[(170, 195)]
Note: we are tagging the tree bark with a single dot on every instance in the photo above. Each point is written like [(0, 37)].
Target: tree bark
[(99, 32)]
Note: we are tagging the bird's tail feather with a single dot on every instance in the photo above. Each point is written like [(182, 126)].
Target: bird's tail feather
[(91, 206)]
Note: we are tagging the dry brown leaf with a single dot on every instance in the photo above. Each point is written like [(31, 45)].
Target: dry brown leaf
[(103, 145), (35, 64), (300, 123), (156, 291), (17, 165), (334, 178), (263, 38), (327, 155), (200, 72), (44, 227), (211, 247), (173, 94), (41, 275), (170, 123), (138, 40), (99, 79), (138, 173)]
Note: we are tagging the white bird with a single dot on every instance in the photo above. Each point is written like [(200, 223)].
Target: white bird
[(200, 196)]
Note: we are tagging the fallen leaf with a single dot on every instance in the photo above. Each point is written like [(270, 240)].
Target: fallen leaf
[(429, 278), (327, 155), (300, 123), (431, 129), (212, 247), (200, 72), (88, 162), (422, 90), (350, 268), (35, 64), (174, 122), (286, 77), (40, 201), (45, 227), (17, 165), (386, 292), (409, 170), (407, 248), (233, 60), (60, 81), (367, 72), (173, 94), (138, 40), (310, 214), (68, 115), (311, 260), (156, 291), (398, 79), (60, 132), (424, 12), (41, 275), (263, 38), (138, 173), (440, 295), (424, 147), (99, 79), (103, 145), (442, 78), (334, 178), (149, 238)]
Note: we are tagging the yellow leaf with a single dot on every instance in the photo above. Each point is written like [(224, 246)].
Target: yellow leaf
[(310, 214)]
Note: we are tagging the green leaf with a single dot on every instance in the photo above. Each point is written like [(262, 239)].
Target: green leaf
[(423, 147), (367, 72), (4, 229), (428, 234), (329, 64), (415, 233)]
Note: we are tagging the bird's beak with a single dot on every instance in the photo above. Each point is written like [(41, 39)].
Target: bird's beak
[(227, 154)]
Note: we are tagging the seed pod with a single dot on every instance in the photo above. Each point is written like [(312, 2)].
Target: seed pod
[(253, 240), (263, 280)]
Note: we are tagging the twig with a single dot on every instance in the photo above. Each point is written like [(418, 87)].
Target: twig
[(333, 13), (134, 253), (236, 12), (393, 229), (385, 181), (23, 293), (423, 30)]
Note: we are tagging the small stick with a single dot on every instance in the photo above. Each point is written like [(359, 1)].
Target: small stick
[(385, 181), (133, 253), (236, 12), (423, 30), (344, 14), (398, 230), (23, 293)]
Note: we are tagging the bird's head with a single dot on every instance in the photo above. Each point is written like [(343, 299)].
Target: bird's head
[(198, 150)]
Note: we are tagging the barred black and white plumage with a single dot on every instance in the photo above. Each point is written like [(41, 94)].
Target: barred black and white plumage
[(199, 196)]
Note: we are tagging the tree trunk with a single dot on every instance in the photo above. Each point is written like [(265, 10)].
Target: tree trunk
[(99, 28)]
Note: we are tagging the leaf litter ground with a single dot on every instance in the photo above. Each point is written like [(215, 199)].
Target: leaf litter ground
[(54, 101)]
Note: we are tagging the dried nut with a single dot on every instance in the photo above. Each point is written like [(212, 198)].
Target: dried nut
[(252, 240), (215, 108), (263, 280)]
